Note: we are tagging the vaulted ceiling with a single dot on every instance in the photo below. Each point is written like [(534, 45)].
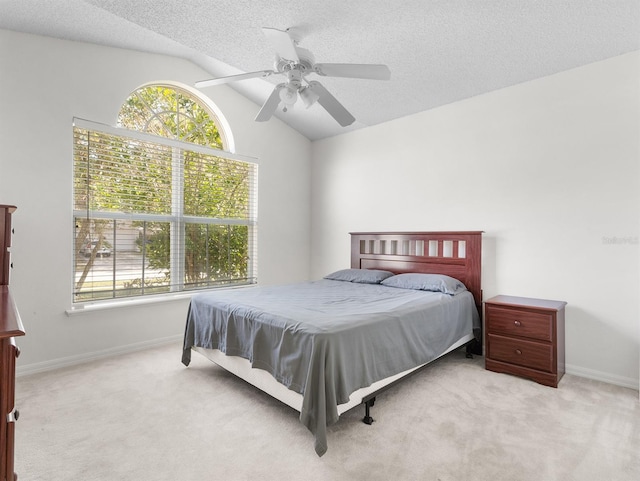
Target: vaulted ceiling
[(438, 51)]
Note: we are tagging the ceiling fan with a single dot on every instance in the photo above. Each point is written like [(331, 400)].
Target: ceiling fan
[(296, 63)]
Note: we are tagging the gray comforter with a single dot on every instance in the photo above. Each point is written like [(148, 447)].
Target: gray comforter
[(325, 339)]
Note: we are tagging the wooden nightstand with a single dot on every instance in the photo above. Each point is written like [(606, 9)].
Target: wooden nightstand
[(525, 337)]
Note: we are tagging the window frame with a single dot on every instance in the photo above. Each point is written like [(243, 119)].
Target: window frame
[(177, 219)]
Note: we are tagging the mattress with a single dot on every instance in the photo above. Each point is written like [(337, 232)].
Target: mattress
[(326, 339)]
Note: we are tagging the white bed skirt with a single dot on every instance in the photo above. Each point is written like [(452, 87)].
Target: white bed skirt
[(265, 382)]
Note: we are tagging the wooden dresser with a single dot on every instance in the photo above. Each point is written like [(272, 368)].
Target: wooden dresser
[(10, 326), (525, 337)]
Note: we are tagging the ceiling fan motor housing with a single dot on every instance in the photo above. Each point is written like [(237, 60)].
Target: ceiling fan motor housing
[(304, 65)]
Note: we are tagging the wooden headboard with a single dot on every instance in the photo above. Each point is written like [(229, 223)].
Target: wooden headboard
[(456, 254)]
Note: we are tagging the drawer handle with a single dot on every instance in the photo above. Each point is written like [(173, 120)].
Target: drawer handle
[(517, 323), (518, 352), (13, 416)]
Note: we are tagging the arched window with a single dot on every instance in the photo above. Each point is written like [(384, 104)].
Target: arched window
[(173, 113), (159, 205)]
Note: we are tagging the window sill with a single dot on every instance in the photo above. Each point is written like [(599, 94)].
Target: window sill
[(88, 307)]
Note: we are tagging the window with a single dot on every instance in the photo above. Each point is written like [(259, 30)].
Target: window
[(159, 206)]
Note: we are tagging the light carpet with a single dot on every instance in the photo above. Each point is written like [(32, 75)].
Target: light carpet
[(146, 417)]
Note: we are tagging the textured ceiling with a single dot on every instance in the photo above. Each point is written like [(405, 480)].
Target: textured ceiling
[(439, 51)]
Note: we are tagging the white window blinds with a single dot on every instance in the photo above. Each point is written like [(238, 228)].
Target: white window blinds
[(155, 215)]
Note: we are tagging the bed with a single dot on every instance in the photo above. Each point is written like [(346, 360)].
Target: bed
[(326, 346)]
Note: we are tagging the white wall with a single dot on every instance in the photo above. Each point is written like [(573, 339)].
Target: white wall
[(44, 83), (549, 169)]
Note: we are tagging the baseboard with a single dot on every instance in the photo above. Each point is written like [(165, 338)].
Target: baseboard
[(37, 367), (603, 376)]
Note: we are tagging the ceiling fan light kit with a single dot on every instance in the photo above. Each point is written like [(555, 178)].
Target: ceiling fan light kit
[(288, 95), (308, 96), (296, 63)]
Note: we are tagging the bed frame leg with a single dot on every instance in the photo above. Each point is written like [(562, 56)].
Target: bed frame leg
[(474, 347), (367, 406)]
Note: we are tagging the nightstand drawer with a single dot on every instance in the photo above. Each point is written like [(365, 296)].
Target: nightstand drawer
[(535, 355), (516, 322)]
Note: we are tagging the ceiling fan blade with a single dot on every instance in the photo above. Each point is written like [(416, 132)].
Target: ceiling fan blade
[(270, 106), (282, 43), (331, 104), (353, 70), (233, 78)]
